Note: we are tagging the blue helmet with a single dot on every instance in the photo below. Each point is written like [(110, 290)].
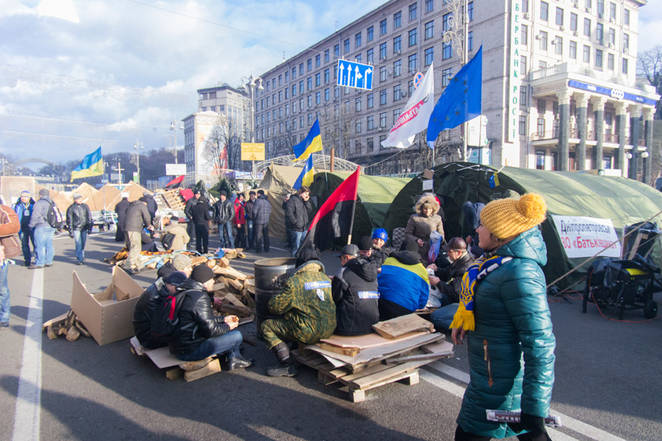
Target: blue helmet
[(380, 233)]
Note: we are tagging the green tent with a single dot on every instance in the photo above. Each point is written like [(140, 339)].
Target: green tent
[(624, 201), (374, 197)]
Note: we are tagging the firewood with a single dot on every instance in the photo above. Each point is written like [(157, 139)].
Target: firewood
[(236, 310), (213, 367), (81, 327), (174, 373), (72, 333), (195, 365), (231, 298), (236, 285), (223, 262), (247, 298), (51, 333), (197, 260), (218, 286), (231, 273), (54, 320)]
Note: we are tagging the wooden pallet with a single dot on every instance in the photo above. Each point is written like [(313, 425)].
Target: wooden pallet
[(173, 199)]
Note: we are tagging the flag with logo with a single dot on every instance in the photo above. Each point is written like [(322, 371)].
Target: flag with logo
[(311, 143), (414, 119), (91, 165)]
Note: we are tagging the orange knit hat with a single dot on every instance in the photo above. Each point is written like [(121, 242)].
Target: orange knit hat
[(506, 218)]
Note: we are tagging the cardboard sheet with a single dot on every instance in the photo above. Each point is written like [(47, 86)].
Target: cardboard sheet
[(368, 340)]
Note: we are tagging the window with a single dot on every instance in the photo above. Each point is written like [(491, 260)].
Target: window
[(397, 93), (540, 157), (382, 73), (382, 120), (541, 128), (396, 114), (397, 68), (412, 11), (626, 41), (587, 27), (543, 40), (317, 60), (357, 104), (612, 36), (410, 87), (357, 126), (397, 20), (370, 144), (610, 61), (429, 56), (572, 50), (586, 54), (382, 97), (559, 16), (382, 27), (558, 45), (412, 37), (287, 76), (626, 17), (318, 98), (601, 8), (358, 58), (544, 11), (300, 87), (370, 122), (471, 40), (470, 11), (522, 125), (369, 102), (524, 36), (286, 92), (612, 12), (624, 66), (382, 51), (522, 96), (370, 33), (357, 41), (300, 69), (310, 101), (326, 76), (525, 5), (446, 21), (336, 51), (397, 45), (294, 90), (573, 22), (599, 33), (522, 66), (429, 6), (588, 5), (294, 72), (326, 94), (370, 56), (412, 63), (309, 64), (429, 30), (346, 46), (318, 79), (446, 51), (326, 56), (541, 106), (309, 83), (446, 76), (542, 65)]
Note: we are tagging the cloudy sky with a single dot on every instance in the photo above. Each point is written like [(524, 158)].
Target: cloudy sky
[(76, 74)]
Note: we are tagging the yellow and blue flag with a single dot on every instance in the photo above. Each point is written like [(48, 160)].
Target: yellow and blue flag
[(306, 176), (311, 143), (91, 165)]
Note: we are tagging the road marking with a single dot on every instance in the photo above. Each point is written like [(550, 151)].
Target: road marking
[(28, 400), (568, 422)]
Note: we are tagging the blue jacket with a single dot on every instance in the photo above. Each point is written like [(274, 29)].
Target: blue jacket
[(24, 213), (512, 319), (404, 280)]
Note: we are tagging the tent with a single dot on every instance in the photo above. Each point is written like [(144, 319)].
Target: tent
[(624, 201), (375, 195), (277, 183)]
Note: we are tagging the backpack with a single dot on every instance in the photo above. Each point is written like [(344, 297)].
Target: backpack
[(54, 217), (166, 318), (167, 240)]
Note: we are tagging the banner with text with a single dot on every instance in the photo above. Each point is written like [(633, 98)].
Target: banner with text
[(587, 236)]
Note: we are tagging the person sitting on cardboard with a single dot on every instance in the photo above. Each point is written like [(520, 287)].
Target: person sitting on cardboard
[(200, 333), (149, 303)]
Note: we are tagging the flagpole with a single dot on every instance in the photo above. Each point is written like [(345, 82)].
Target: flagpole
[(465, 59), (351, 222)]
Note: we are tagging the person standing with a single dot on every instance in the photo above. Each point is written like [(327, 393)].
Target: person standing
[(120, 209), (23, 209), (240, 221), (297, 212), (261, 214), (79, 223), (504, 315), (224, 213), (42, 231), (200, 217), (250, 223), (188, 211), (9, 247), (152, 206), (426, 220), (137, 218)]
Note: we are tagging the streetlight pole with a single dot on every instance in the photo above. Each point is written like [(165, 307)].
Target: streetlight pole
[(173, 129), (253, 83), (137, 146)]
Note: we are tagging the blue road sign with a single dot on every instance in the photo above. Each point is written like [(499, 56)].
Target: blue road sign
[(356, 75)]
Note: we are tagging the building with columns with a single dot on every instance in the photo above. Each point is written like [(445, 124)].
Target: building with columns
[(559, 84)]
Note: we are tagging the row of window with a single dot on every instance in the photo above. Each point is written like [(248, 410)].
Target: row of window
[(559, 12)]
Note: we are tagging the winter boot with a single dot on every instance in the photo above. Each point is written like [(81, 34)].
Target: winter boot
[(286, 366)]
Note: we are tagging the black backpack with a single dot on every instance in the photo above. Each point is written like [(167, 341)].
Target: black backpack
[(167, 240), (166, 319), (54, 217)]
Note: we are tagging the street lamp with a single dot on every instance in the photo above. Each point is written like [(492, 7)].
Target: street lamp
[(137, 146), (173, 130), (253, 83)]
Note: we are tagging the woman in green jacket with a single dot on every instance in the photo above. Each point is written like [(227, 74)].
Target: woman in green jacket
[(504, 313)]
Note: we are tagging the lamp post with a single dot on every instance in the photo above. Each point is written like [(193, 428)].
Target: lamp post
[(253, 83), (173, 131), (137, 146)]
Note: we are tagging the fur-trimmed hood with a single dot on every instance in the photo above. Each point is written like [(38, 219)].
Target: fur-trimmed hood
[(427, 197)]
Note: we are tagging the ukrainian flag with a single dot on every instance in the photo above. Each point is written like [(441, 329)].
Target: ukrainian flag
[(91, 165), (306, 176), (312, 143)]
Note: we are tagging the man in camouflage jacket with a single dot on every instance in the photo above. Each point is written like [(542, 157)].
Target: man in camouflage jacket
[(307, 312)]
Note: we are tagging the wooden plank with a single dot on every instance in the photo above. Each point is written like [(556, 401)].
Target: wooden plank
[(238, 303), (229, 273), (351, 352), (212, 368), (430, 357), (440, 346), (174, 373), (368, 340), (402, 325), (386, 376), (54, 320)]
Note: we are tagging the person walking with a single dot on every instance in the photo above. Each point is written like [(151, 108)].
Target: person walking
[(42, 231), (240, 221), (9, 247), (137, 218), (297, 213), (79, 223), (200, 218), (261, 214), (188, 211), (223, 214), (250, 223), (504, 316), (23, 209), (120, 209)]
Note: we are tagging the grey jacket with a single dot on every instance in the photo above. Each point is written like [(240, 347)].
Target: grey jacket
[(261, 210), (137, 216), (40, 212)]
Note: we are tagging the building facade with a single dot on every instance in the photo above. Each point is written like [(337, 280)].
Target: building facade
[(559, 83)]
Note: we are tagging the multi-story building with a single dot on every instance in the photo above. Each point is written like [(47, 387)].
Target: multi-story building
[(559, 83), (213, 134)]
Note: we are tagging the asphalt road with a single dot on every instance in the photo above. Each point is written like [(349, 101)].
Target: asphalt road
[(607, 384)]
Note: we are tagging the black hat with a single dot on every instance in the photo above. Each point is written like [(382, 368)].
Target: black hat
[(306, 253), (176, 278), (202, 273), (224, 193), (410, 245), (365, 243), (350, 250)]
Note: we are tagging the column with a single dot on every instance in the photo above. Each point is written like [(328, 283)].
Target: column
[(648, 137), (599, 107), (564, 128), (635, 131), (581, 99), (621, 108)]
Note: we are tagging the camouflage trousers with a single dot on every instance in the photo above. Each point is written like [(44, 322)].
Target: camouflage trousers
[(275, 331)]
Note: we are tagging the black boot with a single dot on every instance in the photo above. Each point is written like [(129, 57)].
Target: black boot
[(238, 362), (286, 366)]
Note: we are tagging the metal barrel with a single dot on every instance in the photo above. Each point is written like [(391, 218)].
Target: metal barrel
[(267, 272)]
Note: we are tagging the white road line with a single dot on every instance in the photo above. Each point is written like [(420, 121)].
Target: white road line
[(569, 422), (28, 400)]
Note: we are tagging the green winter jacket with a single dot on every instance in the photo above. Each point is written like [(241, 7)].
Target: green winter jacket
[(512, 319)]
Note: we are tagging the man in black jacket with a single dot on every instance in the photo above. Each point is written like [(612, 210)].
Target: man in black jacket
[(224, 213), (150, 302), (120, 209), (152, 206), (200, 333), (261, 214), (297, 213), (200, 218), (250, 219), (188, 211), (79, 223), (355, 293)]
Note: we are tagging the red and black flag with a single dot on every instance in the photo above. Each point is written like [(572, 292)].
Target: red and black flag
[(176, 182), (335, 217)]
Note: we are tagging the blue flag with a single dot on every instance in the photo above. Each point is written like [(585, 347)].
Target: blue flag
[(460, 101), (306, 176), (91, 165), (311, 143)]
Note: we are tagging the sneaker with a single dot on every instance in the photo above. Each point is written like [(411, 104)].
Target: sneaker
[(49, 264), (238, 362), (282, 370), (80, 262), (4, 324), (35, 266)]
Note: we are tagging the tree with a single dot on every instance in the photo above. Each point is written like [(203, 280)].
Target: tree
[(223, 146), (650, 66)]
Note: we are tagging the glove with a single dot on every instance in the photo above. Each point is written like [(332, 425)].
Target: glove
[(535, 425)]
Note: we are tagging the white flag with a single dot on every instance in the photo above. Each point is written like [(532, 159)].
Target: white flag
[(414, 119)]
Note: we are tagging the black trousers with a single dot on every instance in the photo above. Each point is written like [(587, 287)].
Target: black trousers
[(261, 235), (240, 238), (389, 310), (202, 238), (461, 435), (190, 230)]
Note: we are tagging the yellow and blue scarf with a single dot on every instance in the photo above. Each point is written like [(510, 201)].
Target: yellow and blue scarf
[(464, 317)]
